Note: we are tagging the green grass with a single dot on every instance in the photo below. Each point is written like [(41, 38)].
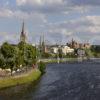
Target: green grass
[(61, 61), (21, 79)]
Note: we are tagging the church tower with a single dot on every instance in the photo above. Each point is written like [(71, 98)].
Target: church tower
[(23, 35), (42, 45)]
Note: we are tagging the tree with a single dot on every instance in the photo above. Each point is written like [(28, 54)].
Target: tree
[(29, 55), (8, 51), (1, 61), (46, 55), (60, 53), (21, 46), (42, 67), (12, 56), (18, 58)]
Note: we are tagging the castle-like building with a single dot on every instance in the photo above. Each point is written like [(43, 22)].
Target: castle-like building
[(23, 34), (76, 45)]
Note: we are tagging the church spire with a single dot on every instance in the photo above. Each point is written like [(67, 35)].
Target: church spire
[(43, 40), (23, 35), (40, 40), (22, 28)]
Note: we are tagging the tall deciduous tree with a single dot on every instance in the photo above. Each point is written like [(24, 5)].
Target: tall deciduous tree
[(29, 55), (8, 51)]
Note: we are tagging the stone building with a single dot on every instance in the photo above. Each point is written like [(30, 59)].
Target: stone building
[(75, 45)]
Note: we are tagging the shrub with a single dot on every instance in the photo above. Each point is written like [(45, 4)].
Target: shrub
[(42, 67)]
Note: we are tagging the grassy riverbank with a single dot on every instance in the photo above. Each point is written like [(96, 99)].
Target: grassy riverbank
[(61, 60), (25, 78)]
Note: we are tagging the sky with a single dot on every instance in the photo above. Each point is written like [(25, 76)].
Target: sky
[(58, 20)]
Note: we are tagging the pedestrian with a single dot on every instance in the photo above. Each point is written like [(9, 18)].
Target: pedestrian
[(33, 66)]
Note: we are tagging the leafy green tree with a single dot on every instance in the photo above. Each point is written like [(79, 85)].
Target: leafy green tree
[(18, 58), (12, 56), (60, 53), (46, 55), (21, 45), (10, 64), (21, 56), (89, 53), (8, 51), (29, 55), (1, 61), (42, 67)]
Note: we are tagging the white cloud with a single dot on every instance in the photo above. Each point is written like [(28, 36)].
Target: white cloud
[(43, 12), (94, 27), (59, 2), (36, 17), (6, 13), (94, 19), (12, 38), (20, 2), (42, 6), (62, 31), (85, 26), (51, 6), (38, 2)]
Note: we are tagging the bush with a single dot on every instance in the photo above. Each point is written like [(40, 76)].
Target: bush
[(42, 67)]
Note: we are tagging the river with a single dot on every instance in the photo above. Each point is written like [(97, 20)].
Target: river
[(65, 81)]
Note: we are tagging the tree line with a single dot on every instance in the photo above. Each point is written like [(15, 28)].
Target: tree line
[(15, 56)]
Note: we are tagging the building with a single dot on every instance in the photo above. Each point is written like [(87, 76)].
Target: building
[(75, 45), (54, 50), (66, 49), (23, 34), (42, 45)]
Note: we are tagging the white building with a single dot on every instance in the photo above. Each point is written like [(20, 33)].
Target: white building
[(55, 50), (66, 49)]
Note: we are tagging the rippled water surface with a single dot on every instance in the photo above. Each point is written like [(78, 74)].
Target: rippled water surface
[(66, 81)]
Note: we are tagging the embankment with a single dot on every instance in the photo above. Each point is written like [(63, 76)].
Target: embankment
[(25, 78)]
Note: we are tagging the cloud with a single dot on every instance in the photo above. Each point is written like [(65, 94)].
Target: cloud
[(94, 19), (85, 2), (57, 2), (27, 8), (11, 38), (29, 2), (41, 6), (57, 18), (6, 13), (84, 26), (94, 26), (55, 6), (18, 14), (62, 31), (39, 2)]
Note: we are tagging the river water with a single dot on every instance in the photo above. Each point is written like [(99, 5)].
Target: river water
[(65, 81)]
